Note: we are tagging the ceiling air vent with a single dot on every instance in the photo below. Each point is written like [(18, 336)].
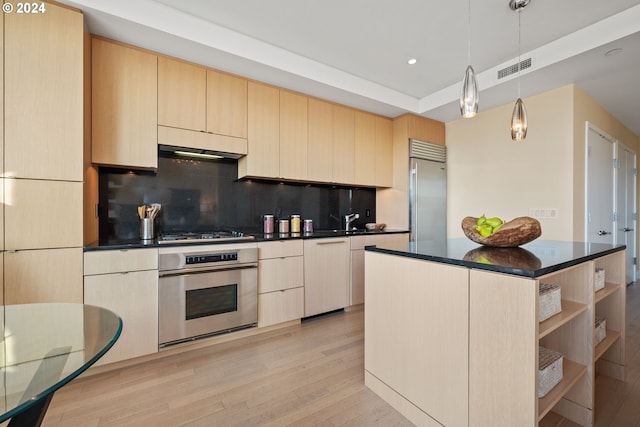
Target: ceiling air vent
[(513, 69)]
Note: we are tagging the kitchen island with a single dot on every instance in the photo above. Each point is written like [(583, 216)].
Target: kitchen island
[(452, 332)]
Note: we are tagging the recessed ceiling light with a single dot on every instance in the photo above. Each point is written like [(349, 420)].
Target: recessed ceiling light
[(613, 52), (412, 61)]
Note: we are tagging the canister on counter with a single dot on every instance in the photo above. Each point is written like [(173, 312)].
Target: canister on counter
[(268, 224), (295, 223), (283, 226), (308, 226)]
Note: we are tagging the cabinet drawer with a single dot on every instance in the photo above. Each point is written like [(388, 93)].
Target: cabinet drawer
[(279, 249), (397, 239), (280, 273), (101, 262), (280, 306)]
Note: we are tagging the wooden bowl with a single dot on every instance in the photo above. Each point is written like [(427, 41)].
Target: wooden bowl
[(516, 232)]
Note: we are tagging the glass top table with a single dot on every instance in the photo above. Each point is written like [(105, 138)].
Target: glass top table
[(44, 347)]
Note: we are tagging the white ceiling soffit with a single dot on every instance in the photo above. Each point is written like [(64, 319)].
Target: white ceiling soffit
[(167, 29), (267, 53), (596, 35)]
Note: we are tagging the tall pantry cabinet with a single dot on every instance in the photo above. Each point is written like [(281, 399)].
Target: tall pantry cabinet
[(42, 155)]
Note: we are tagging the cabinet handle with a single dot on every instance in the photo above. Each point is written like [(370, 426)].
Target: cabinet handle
[(332, 243)]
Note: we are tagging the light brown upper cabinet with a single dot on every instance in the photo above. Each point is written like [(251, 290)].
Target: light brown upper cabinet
[(293, 135), (226, 104), (365, 148), (343, 145), (182, 94), (196, 98), (124, 106), (43, 89), (263, 136), (424, 129), (320, 141), (2, 101), (384, 152)]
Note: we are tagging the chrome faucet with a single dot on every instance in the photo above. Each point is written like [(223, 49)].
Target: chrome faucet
[(348, 219)]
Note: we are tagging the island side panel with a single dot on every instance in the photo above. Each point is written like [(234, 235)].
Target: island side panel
[(416, 337), (503, 348)]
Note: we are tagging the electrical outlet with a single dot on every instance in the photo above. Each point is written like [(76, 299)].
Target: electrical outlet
[(543, 213)]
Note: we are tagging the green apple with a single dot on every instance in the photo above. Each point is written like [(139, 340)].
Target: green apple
[(494, 222), (485, 230)]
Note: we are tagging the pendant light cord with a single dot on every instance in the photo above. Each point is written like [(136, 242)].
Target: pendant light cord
[(519, 48), (469, 34)]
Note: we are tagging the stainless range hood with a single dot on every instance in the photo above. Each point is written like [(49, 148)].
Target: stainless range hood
[(200, 143)]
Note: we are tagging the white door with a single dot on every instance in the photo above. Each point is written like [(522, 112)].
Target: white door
[(600, 192), (626, 205)]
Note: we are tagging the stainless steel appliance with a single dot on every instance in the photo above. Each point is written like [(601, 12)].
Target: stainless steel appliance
[(202, 236), (205, 291), (427, 193)]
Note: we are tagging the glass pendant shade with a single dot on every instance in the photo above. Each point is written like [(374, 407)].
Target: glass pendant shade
[(469, 96), (519, 121)]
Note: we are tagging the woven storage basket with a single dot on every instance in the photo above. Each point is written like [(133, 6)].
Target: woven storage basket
[(600, 329), (549, 370), (598, 282), (548, 301)]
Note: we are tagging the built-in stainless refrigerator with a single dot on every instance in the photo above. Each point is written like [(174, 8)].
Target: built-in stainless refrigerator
[(427, 193)]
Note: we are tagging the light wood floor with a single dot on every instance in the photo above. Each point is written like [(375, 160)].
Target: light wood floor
[(311, 374)]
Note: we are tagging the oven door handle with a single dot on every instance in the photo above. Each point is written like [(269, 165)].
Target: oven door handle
[(183, 271)]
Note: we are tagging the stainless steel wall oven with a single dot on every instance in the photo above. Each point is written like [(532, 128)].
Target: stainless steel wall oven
[(205, 291)]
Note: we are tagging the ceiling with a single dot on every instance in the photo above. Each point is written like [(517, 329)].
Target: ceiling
[(355, 51)]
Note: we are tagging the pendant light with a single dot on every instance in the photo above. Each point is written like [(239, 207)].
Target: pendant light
[(469, 95), (519, 116)]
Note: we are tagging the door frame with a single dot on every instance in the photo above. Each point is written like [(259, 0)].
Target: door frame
[(618, 147)]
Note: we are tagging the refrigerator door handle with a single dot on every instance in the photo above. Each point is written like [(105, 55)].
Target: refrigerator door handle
[(413, 209)]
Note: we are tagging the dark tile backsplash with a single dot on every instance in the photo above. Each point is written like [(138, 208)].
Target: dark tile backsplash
[(203, 195)]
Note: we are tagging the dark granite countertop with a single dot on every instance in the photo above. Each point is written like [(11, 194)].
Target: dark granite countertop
[(532, 260), (119, 244)]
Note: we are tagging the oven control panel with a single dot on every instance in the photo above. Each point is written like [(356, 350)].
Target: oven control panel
[(204, 259)]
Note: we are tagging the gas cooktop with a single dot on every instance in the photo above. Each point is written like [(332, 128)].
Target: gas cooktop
[(202, 236)]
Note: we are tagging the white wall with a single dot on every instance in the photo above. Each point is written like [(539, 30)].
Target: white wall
[(490, 174)]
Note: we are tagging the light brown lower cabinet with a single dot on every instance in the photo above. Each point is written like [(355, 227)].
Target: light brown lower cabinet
[(132, 295), (43, 275), (280, 282), (2, 278), (326, 275), (399, 240)]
